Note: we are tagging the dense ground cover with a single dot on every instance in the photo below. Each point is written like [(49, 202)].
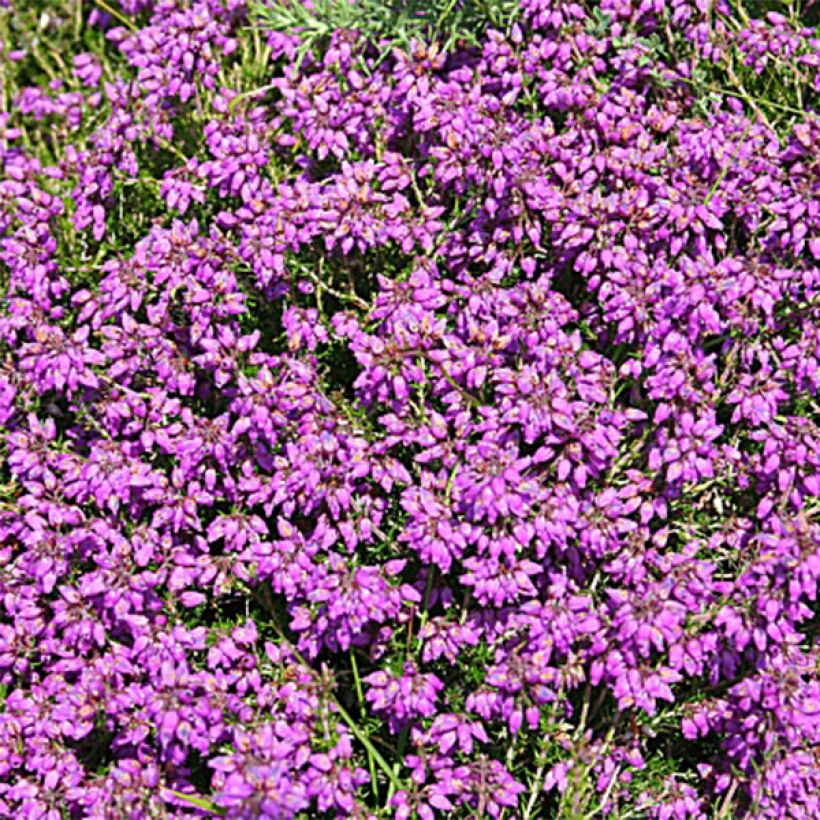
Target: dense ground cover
[(409, 410)]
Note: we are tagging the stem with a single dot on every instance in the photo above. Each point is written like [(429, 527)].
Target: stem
[(394, 774), (746, 96), (364, 740), (467, 396), (741, 96), (428, 592), (344, 297), (727, 801), (726, 165), (343, 713), (116, 15), (534, 789), (582, 723), (374, 781), (607, 794), (251, 93), (448, 492)]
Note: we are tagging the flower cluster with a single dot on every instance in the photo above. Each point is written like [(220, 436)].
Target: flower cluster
[(411, 432)]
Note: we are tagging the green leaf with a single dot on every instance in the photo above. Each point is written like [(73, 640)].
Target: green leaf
[(200, 802)]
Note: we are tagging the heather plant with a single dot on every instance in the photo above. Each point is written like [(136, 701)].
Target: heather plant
[(409, 409)]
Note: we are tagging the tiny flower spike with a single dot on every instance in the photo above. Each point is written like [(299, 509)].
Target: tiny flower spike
[(409, 414)]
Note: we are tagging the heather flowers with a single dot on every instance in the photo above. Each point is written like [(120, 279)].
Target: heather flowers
[(409, 414)]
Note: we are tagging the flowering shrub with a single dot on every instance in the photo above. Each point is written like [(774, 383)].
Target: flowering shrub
[(409, 426)]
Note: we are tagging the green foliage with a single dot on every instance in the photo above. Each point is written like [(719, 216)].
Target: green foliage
[(389, 23)]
